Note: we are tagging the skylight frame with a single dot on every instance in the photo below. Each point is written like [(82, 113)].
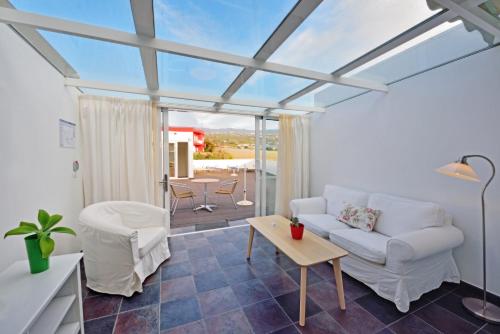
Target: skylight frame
[(146, 43)]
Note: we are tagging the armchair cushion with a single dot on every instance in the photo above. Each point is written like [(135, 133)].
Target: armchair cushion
[(321, 224), (313, 205), (401, 215), (371, 246), (336, 198), (419, 244), (148, 237)]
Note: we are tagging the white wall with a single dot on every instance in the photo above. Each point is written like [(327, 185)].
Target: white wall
[(34, 171), (393, 142)]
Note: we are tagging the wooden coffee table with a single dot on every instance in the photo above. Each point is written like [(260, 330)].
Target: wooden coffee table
[(312, 249)]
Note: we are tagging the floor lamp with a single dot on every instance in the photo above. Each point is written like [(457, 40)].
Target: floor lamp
[(462, 170)]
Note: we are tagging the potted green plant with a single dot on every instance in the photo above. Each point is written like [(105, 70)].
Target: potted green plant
[(39, 244), (296, 228)]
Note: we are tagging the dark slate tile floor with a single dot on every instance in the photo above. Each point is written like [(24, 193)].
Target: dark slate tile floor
[(207, 286)]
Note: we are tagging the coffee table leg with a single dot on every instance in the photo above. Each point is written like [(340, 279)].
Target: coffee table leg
[(250, 241), (303, 295), (340, 285)]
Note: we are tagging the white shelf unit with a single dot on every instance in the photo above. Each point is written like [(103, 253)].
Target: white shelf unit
[(43, 303)]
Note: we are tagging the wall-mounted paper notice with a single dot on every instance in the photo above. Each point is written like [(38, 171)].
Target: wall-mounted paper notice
[(67, 134)]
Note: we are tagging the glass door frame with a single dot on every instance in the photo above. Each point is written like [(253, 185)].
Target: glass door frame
[(261, 164)]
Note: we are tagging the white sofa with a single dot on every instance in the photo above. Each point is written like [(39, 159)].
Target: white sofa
[(408, 253), (123, 243)]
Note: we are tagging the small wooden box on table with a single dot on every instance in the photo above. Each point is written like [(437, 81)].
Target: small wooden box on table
[(311, 250)]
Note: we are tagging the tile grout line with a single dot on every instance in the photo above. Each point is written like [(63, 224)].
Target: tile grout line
[(452, 313)]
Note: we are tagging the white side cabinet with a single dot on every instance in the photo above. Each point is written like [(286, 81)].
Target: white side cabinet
[(45, 303)]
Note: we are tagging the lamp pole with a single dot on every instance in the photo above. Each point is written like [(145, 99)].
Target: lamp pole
[(483, 310)]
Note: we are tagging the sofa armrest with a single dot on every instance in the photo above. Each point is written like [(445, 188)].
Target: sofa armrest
[(313, 205), (419, 244)]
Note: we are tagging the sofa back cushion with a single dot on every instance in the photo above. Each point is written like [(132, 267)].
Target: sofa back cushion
[(401, 215), (337, 197)]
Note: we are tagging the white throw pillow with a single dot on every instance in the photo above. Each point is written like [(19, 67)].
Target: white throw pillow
[(336, 198), (401, 215)]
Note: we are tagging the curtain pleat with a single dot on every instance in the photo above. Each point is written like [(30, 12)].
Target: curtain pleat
[(118, 149)]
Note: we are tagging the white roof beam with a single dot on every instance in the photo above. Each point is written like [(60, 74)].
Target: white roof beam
[(476, 16), (185, 96), (142, 12), (189, 107), (11, 16), (294, 19), (33, 37)]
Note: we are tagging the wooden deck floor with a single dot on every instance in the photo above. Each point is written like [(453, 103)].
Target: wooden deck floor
[(225, 211)]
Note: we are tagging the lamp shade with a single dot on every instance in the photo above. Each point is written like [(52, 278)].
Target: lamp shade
[(459, 170)]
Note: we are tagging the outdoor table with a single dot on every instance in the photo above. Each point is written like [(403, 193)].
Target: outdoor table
[(205, 206)]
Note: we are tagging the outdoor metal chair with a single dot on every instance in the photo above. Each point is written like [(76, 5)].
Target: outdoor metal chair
[(227, 188), (180, 191)]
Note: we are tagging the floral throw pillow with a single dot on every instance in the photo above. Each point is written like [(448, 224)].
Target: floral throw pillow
[(359, 217)]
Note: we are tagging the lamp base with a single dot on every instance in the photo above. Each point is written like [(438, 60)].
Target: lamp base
[(244, 203), (475, 305)]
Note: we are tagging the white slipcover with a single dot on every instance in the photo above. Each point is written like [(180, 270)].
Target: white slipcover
[(371, 246), (321, 224), (336, 198), (412, 257), (400, 215), (123, 243)]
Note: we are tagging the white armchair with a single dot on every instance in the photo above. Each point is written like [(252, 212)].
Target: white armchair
[(123, 243)]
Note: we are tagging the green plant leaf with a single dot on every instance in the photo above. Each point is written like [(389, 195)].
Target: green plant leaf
[(28, 224), (20, 230), (43, 217), (63, 230), (46, 246), (53, 220)]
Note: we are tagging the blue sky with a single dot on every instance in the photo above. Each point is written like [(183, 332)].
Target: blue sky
[(334, 34)]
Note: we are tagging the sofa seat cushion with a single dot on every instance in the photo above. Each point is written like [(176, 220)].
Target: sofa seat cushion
[(321, 224), (371, 246), (148, 237)]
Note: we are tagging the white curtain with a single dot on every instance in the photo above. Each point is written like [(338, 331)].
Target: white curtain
[(293, 162), (119, 149)]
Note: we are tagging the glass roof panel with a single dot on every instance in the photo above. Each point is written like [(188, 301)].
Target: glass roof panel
[(438, 46), (100, 92), (270, 86), (339, 31), (277, 112), (239, 27), (193, 75), (243, 108), (186, 102), (98, 60), (444, 43), (114, 14)]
